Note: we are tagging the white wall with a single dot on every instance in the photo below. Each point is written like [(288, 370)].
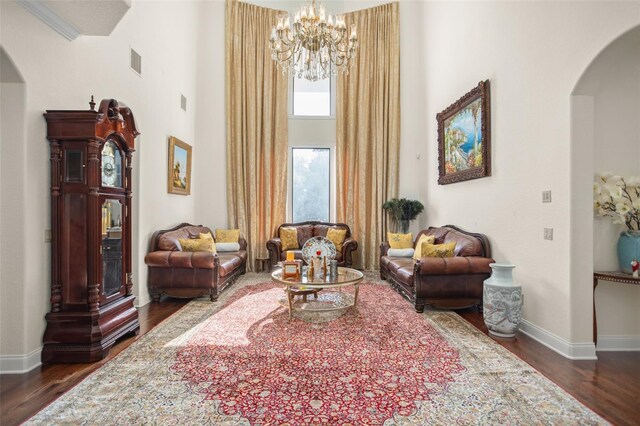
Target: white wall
[(12, 246), (63, 75), (533, 53), (210, 176)]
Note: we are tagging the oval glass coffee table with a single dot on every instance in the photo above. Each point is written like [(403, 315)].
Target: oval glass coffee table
[(331, 298)]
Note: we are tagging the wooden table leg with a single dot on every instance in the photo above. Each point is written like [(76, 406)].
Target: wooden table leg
[(595, 322), (355, 298), (290, 299)]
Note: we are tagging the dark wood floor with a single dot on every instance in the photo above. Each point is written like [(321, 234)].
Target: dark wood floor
[(609, 386)]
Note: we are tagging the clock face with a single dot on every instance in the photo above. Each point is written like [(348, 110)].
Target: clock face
[(108, 171), (110, 175)]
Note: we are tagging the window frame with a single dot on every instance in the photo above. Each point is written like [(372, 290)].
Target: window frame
[(332, 179), (332, 102)]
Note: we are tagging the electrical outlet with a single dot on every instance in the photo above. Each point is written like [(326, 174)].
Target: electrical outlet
[(47, 235), (548, 233), (546, 196)]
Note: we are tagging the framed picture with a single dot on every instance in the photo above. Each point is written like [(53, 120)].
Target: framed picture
[(464, 137), (179, 176)]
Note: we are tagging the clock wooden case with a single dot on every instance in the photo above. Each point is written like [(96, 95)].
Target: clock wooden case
[(91, 221)]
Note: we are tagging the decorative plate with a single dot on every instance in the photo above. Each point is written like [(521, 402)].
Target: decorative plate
[(315, 244)]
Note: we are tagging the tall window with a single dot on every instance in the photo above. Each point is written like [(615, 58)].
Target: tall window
[(311, 98), (311, 182)]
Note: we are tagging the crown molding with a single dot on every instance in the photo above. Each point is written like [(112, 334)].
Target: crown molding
[(39, 9)]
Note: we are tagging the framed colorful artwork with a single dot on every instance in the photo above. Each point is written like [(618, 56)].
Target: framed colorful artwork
[(464, 137), (179, 173)]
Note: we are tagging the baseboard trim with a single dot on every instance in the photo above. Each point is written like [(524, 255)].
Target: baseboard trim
[(19, 364), (618, 343), (574, 351), (140, 303)]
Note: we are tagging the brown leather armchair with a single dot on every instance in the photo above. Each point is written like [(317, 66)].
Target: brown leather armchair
[(190, 274), (307, 230), (451, 282)]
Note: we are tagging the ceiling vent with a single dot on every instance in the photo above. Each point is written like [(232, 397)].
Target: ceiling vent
[(136, 62), (183, 102)]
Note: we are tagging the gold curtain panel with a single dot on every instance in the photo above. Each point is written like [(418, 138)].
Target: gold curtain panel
[(257, 127), (368, 129)]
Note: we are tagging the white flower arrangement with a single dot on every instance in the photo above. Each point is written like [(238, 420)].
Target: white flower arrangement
[(619, 198)]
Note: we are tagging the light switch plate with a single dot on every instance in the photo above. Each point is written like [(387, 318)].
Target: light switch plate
[(546, 196), (548, 233), (47, 235)]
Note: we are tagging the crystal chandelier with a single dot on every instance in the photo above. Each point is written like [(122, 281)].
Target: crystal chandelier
[(316, 47)]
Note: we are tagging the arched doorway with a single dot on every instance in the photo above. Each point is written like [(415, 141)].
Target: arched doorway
[(605, 137), (12, 223)]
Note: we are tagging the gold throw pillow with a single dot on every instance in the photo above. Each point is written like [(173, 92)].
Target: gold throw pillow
[(337, 236), (206, 236), (289, 238), (227, 235), (197, 244), (438, 250), (430, 239), (400, 241)]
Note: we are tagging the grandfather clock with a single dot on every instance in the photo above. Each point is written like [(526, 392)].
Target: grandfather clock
[(91, 287)]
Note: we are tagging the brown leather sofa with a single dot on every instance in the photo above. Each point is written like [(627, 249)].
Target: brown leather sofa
[(452, 282), (307, 230), (190, 274)]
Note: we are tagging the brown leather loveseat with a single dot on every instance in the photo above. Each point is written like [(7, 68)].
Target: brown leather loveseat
[(190, 274), (450, 282), (307, 230)]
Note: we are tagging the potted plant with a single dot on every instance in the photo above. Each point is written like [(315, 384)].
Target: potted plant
[(619, 198), (402, 212)]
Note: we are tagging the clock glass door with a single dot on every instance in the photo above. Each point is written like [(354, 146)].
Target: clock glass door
[(112, 256), (111, 165)]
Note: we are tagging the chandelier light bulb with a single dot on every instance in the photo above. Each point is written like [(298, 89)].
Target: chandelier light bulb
[(316, 47)]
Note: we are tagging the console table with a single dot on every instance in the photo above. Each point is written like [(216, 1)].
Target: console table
[(616, 277)]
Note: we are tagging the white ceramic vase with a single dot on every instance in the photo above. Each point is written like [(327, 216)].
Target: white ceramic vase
[(502, 300)]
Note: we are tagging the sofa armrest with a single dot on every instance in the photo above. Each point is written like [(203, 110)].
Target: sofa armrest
[(453, 265), (243, 243), (384, 248), (182, 259), (348, 247), (274, 246)]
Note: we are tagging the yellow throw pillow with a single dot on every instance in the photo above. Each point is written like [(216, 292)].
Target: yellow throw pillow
[(438, 250), (430, 239), (289, 238), (227, 235), (337, 237), (400, 241), (197, 244), (206, 236)]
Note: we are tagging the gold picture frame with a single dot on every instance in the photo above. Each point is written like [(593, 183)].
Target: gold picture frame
[(179, 172), (464, 137)]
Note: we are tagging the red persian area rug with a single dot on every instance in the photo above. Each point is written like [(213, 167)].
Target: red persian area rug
[(240, 361), (352, 370)]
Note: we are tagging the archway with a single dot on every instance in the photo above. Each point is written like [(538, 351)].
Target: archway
[(12, 224), (605, 137)]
